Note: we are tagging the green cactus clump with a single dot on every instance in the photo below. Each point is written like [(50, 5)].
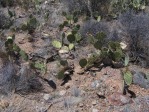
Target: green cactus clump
[(109, 53)]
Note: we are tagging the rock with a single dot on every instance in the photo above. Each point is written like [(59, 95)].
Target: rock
[(81, 105), (140, 104), (113, 80), (62, 93), (19, 103), (4, 104), (95, 110), (62, 51), (95, 84), (68, 85), (46, 96), (119, 99), (93, 74), (94, 102), (100, 93), (139, 79)]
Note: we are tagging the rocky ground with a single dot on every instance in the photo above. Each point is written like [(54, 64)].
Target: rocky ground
[(98, 90)]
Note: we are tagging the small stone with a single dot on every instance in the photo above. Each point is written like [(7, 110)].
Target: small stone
[(93, 74), (100, 93), (119, 99), (67, 85), (46, 96), (63, 92), (95, 110), (95, 84), (4, 104), (139, 79), (94, 102), (124, 99), (81, 105)]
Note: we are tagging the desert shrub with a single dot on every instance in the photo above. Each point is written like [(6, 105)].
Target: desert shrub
[(7, 72), (93, 27), (134, 28), (6, 3), (105, 8), (76, 5), (7, 78), (5, 21), (23, 81), (108, 52), (100, 7), (137, 26), (27, 81), (26, 4)]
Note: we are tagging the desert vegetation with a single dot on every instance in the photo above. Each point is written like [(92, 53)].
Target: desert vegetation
[(74, 55)]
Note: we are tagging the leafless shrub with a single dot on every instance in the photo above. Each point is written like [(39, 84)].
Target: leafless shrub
[(5, 21), (137, 26), (7, 78), (27, 81), (75, 92), (76, 5)]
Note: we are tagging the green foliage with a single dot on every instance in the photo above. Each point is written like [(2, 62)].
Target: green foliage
[(23, 55), (94, 58), (91, 60), (111, 51), (119, 6), (32, 22), (91, 39), (98, 18), (40, 65), (100, 36), (98, 45), (64, 49), (63, 67), (64, 63), (11, 13), (83, 62), (30, 25), (6, 3), (147, 76), (71, 35), (12, 49), (61, 74), (128, 77), (26, 4), (71, 46), (37, 2), (71, 38), (78, 37), (56, 44), (126, 61), (138, 4)]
